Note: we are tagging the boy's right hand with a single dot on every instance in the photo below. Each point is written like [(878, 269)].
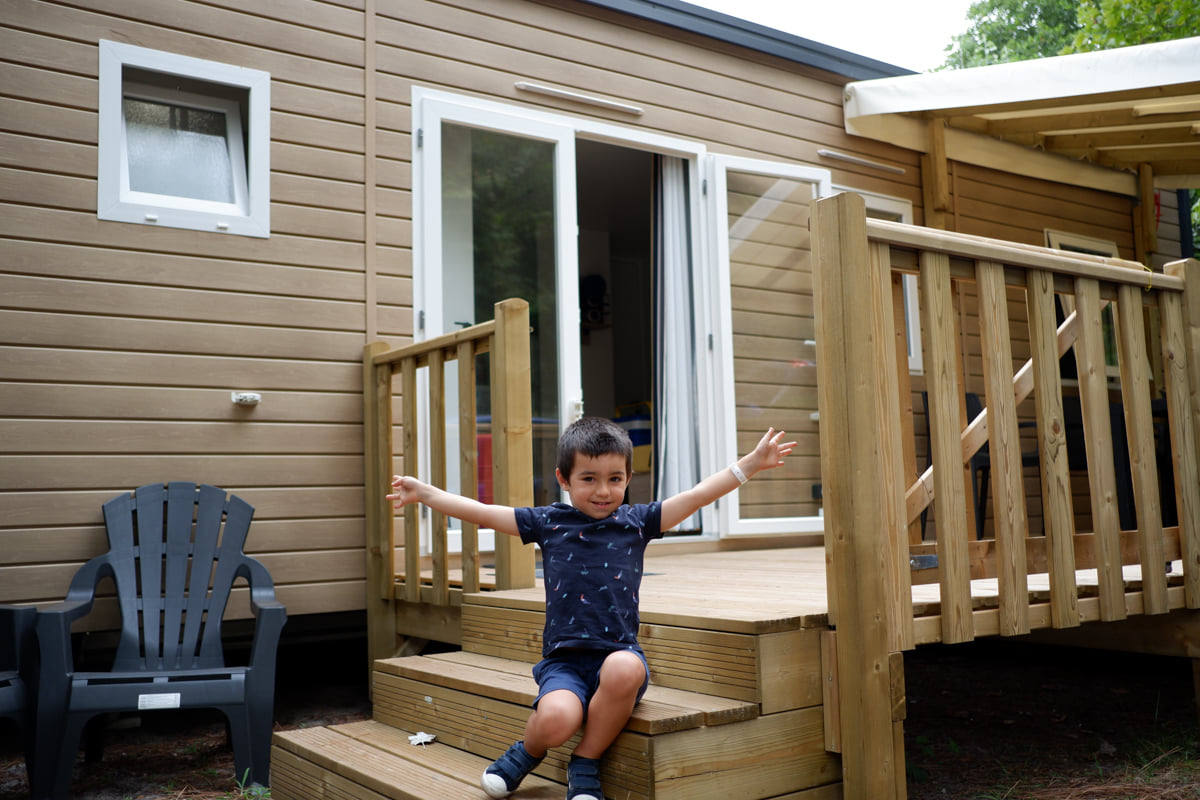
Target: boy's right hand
[(405, 489)]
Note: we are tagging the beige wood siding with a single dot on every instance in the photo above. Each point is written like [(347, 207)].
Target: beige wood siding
[(120, 343)]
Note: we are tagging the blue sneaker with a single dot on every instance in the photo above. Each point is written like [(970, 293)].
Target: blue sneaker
[(506, 772), (583, 779)]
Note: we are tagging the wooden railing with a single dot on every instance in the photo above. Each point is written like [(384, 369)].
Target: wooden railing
[(506, 340), (873, 496)]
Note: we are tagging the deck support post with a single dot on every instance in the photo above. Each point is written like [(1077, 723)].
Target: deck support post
[(377, 461), (862, 471), (512, 436)]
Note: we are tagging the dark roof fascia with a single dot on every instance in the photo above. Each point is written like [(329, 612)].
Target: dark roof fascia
[(741, 32)]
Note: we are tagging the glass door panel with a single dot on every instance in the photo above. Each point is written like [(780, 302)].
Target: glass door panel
[(769, 346), (497, 218)]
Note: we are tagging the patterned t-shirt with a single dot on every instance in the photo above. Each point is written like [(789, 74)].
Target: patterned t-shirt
[(592, 569)]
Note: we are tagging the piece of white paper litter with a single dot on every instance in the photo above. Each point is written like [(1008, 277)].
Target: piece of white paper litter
[(421, 737)]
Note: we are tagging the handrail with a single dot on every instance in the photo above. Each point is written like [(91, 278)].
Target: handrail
[(995, 269), (506, 340)]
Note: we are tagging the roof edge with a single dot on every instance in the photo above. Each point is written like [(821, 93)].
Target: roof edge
[(726, 28)]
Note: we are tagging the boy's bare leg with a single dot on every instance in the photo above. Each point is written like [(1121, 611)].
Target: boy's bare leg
[(557, 716), (621, 677)]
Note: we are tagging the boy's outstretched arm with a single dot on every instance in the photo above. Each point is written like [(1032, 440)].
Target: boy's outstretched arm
[(767, 454), (407, 489)]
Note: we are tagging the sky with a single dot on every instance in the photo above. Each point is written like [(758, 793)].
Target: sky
[(911, 35)]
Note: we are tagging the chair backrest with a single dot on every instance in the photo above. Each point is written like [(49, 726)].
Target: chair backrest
[(175, 550)]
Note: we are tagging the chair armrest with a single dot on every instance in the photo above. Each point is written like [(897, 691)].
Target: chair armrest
[(269, 614)]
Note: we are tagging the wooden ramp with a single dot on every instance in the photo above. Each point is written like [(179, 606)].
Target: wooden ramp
[(735, 711)]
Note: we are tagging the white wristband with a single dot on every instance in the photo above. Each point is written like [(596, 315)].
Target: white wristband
[(737, 472)]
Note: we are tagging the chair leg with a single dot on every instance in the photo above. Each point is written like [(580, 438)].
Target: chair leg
[(70, 734), (261, 711), (239, 738)]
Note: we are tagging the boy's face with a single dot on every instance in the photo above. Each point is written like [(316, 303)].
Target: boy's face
[(597, 483)]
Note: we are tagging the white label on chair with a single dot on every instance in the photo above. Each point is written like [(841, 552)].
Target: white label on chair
[(149, 702)]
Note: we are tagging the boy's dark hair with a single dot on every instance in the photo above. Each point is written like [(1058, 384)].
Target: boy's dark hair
[(593, 436)]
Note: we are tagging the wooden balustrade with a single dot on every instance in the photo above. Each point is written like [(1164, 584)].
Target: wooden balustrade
[(506, 341), (849, 252)]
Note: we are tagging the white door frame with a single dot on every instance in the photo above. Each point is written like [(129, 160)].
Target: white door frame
[(717, 167), (430, 108)]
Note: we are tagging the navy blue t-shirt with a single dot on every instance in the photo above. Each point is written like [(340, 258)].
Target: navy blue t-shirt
[(592, 569)]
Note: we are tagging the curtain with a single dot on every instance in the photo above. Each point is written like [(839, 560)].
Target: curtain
[(677, 452)]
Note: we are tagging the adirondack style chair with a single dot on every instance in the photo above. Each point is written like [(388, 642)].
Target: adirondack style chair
[(174, 552), (16, 672)]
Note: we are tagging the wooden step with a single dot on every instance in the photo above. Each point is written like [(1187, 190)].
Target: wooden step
[(779, 669), (678, 744), (372, 761)]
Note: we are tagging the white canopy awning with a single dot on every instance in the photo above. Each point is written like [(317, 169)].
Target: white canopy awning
[(1088, 118)]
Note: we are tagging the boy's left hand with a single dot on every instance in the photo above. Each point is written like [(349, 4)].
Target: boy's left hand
[(769, 452)]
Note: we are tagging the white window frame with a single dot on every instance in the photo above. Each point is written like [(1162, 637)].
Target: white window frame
[(716, 169), (898, 206), (1081, 243), (249, 214), (432, 104)]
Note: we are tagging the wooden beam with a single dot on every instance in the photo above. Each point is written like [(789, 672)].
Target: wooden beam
[(1139, 427), (1180, 132), (1102, 480), (512, 436), (412, 513), (1183, 441), (1010, 521), (1189, 270), (945, 395), (377, 462), (1146, 208), (854, 422), (1080, 121), (937, 161), (933, 217), (437, 475), (1058, 515)]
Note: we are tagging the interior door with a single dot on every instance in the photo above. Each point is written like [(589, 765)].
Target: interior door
[(495, 198), (766, 359)]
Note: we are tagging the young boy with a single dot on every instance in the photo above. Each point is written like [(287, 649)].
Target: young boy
[(592, 669)]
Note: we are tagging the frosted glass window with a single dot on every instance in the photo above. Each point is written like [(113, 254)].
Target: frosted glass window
[(183, 142), (176, 150)]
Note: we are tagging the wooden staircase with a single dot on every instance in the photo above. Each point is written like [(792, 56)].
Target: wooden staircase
[(734, 711)]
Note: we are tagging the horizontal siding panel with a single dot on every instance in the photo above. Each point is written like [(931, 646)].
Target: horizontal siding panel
[(41, 189), (46, 545), (187, 271), (772, 302), (32, 118), (393, 144), (199, 338), (392, 174), (1059, 191), (394, 261), (324, 222), (394, 202), (198, 18), (39, 153), (140, 436), (101, 471), (88, 27), (84, 402), (64, 365), (317, 163), (95, 297), (780, 325), (20, 222), (394, 231), (395, 290), (33, 83), (70, 508), (1048, 207), (1038, 222), (680, 47), (317, 192), (316, 14)]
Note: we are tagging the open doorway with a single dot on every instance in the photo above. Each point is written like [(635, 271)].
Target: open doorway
[(615, 188)]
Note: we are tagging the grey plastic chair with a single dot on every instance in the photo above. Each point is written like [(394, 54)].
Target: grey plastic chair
[(174, 552), (17, 673)]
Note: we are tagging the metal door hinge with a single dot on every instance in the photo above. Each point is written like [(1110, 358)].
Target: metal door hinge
[(420, 138), (421, 320)]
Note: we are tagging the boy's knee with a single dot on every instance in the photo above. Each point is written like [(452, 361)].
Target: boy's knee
[(559, 715), (623, 671)]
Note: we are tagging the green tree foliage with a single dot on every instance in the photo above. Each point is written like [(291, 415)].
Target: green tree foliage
[(1013, 30), (1104, 24)]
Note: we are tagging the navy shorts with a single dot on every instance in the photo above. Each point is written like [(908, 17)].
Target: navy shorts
[(578, 671)]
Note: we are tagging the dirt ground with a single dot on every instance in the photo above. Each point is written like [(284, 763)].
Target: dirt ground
[(985, 720)]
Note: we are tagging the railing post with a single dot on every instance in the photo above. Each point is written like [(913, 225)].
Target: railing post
[(512, 436), (377, 458), (859, 420), (1183, 395)]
